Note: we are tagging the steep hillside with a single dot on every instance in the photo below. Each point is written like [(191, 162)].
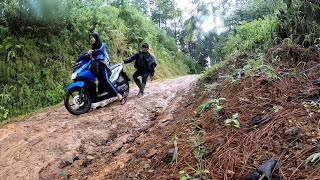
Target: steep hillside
[(250, 109)]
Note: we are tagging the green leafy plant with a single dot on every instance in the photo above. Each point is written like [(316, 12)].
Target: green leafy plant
[(312, 107), (276, 59), (211, 87), (250, 36), (312, 104), (212, 103), (197, 148), (3, 113), (204, 106), (277, 108), (184, 175), (257, 66), (213, 69), (197, 174), (195, 138), (230, 79), (233, 121), (313, 158)]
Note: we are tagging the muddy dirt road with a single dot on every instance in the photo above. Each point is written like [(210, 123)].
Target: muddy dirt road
[(46, 144)]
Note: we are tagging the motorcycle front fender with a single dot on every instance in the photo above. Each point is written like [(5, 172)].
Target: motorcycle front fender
[(77, 84)]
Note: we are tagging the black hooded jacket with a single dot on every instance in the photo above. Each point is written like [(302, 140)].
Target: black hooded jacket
[(143, 62)]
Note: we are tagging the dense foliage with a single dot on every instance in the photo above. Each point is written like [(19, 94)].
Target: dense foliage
[(257, 25)]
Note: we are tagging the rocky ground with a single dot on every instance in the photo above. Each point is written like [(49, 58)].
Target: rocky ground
[(57, 145)]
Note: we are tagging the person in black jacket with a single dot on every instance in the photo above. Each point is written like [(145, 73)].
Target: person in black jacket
[(145, 64)]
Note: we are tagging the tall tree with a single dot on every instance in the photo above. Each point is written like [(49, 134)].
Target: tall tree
[(163, 12), (192, 26), (250, 10), (142, 5)]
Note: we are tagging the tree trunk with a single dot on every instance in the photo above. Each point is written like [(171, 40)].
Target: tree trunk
[(175, 30), (165, 26), (159, 17)]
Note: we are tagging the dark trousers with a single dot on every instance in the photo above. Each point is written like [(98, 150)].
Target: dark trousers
[(143, 74), (104, 83)]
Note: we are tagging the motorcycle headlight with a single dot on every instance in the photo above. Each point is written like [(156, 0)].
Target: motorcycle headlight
[(74, 75)]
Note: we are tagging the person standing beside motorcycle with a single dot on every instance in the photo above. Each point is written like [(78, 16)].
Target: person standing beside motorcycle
[(145, 64), (99, 54)]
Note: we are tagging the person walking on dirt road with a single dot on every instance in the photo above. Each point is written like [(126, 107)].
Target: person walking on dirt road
[(145, 64)]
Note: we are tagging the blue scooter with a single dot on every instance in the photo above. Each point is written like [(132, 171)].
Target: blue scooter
[(82, 92)]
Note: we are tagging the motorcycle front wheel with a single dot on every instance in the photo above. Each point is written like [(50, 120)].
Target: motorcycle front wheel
[(76, 104)]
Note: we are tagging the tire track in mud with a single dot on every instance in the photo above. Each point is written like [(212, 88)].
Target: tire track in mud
[(57, 145)]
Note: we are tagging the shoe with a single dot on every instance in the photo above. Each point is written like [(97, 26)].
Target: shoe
[(123, 101), (140, 94)]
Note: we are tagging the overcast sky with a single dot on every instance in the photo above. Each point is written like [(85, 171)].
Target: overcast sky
[(214, 21)]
